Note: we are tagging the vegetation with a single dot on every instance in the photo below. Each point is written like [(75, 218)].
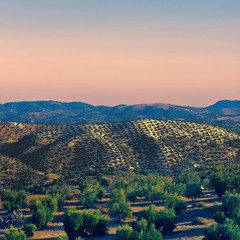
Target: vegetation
[(119, 206), (167, 147), (43, 209), (13, 200), (226, 231), (141, 231), (15, 234), (79, 223), (91, 192), (61, 192), (29, 229), (164, 220)]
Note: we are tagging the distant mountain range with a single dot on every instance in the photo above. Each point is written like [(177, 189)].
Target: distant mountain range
[(225, 113)]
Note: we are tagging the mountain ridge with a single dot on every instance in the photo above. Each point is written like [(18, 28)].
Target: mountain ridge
[(224, 113)]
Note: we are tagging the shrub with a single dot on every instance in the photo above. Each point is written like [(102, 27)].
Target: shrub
[(14, 234), (29, 229)]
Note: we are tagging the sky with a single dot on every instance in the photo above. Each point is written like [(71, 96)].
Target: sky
[(111, 52)]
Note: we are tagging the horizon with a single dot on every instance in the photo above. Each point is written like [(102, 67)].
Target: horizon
[(127, 52), (121, 104)]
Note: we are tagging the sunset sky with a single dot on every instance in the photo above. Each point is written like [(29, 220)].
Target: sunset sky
[(111, 52)]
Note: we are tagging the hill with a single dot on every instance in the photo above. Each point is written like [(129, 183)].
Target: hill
[(224, 113), (168, 147)]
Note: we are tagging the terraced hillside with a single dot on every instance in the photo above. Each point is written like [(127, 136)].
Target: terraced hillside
[(153, 145)]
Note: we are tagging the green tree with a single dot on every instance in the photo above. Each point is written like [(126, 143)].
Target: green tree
[(79, 223), (29, 229), (176, 202), (62, 193), (226, 231), (193, 190), (43, 209), (124, 232), (230, 208), (14, 234), (165, 220), (13, 200), (119, 206)]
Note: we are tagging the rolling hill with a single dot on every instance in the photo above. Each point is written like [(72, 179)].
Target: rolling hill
[(224, 113), (168, 147)]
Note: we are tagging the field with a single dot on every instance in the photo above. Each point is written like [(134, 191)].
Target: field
[(184, 229)]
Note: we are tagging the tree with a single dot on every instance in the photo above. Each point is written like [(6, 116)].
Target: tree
[(60, 192), (226, 231), (124, 232), (193, 190), (14, 234), (230, 208), (29, 229), (156, 192), (176, 202), (118, 206), (13, 200), (43, 209), (140, 231), (164, 220), (79, 223), (91, 192)]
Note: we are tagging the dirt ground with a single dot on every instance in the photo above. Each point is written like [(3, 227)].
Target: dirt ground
[(184, 229)]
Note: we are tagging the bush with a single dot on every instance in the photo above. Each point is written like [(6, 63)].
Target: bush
[(29, 229), (79, 223), (13, 200), (14, 234), (226, 231)]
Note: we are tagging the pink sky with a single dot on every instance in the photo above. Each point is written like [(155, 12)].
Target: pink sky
[(182, 63)]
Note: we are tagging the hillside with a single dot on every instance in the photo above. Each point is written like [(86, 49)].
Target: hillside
[(224, 113), (154, 145)]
